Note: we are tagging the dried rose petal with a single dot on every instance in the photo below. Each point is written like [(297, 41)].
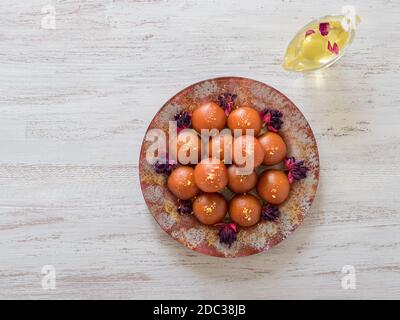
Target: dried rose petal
[(227, 233), (296, 169), (164, 165), (183, 120), (324, 28), (164, 168), (270, 212), (185, 207), (227, 101), (334, 49), (309, 31), (272, 119)]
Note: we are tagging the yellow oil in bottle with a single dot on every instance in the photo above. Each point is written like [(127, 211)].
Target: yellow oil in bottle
[(318, 44)]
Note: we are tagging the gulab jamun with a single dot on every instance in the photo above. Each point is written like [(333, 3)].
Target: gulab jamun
[(247, 149), (181, 183), (239, 182), (244, 118), (210, 208), (274, 147), (208, 116), (220, 147), (245, 210), (273, 186), (185, 148), (211, 175)]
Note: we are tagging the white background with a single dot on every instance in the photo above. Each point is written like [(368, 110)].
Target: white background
[(74, 106)]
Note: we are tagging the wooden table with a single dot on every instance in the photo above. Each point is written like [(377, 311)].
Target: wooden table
[(74, 105)]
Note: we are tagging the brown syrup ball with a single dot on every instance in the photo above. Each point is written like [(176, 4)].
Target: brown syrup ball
[(208, 116), (211, 175), (273, 186), (239, 182), (186, 147), (274, 147), (247, 148), (220, 147), (210, 208), (245, 210), (245, 118), (181, 183)]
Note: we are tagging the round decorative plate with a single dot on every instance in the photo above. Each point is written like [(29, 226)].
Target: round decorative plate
[(300, 142)]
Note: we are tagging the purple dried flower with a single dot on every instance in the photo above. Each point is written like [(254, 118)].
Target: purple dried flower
[(297, 169), (227, 233), (272, 119), (164, 166), (269, 212), (185, 207), (227, 101), (183, 120)]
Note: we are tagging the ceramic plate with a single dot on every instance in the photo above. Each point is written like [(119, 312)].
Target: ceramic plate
[(300, 142)]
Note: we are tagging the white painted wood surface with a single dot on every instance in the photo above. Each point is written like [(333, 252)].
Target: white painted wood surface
[(74, 106)]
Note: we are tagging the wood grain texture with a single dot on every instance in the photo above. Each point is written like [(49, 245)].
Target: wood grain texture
[(74, 106)]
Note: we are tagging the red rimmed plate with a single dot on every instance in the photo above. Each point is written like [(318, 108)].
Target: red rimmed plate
[(301, 144)]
